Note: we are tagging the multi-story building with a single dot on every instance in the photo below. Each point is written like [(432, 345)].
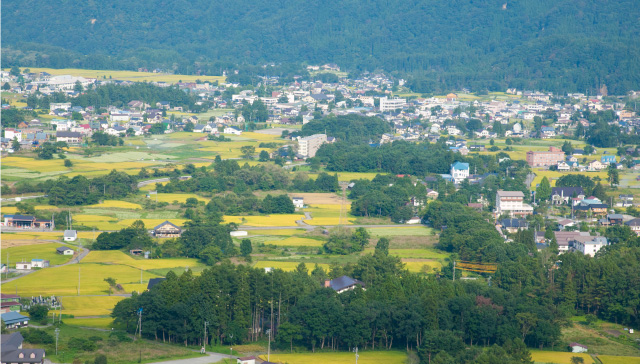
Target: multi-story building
[(512, 203), (545, 159), (308, 146), (459, 171), (590, 247), (387, 104), (565, 239)]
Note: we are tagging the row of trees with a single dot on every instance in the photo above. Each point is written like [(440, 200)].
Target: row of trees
[(232, 204)]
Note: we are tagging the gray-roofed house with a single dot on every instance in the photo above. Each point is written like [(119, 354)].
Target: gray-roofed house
[(12, 351), (513, 225), (70, 137), (167, 230), (343, 284), (634, 225), (64, 250), (70, 235)]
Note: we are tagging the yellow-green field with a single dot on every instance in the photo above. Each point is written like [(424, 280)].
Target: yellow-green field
[(422, 266), (365, 357), (102, 222), (552, 176), (265, 221), (180, 197), (152, 186), (612, 359), (9, 210), (295, 241), (278, 232), (98, 322), (89, 305), (40, 251), (117, 257), (288, 266), (558, 357), (63, 281), (129, 75), (349, 176), (117, 204)]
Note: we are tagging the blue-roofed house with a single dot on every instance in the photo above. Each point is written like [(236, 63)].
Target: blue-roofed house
[(14, 320), (343, 284), (608, 159), (459, 171)]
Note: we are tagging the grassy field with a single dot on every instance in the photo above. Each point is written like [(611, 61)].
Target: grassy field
[(265, 221), (552, 176), (612, 359), (89, 305), (63, 281), (278, 232), (421, 265), (295, 241), (598, 340), (117, 257), (40, 251), (558, 357), (117, 204), (365, 357), (179, 197), (98, 323), (129, 75), (401, 231)]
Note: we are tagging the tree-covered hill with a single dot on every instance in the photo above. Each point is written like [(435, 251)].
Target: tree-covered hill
[(561, 45)]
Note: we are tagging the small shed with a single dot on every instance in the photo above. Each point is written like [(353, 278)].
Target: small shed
[(70, 235), (64, 250), (23, 265), (39, 263), (247, 360), (578, 348)]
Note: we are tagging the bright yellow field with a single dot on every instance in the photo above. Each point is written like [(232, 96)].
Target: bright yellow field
[(295, 241), (129, 75), (325, 199), (180, 197), (425, 266), (558, 357), (45, 207), (288, 266), (118, 204), (151, 186), (100, 322), (612, 359), (265, 221), (279, 232), (40, 251), (9, 210), (31, 236), (552, 176), (89, 305), (91, 218), (365, 357), (118, 257), (349, 176), (327, 221), (63, 280), (37, 165)]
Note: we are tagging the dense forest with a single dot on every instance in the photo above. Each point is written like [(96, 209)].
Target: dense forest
[(561, 46)]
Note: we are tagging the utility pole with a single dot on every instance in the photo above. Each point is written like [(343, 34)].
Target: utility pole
[(140, 275), (57, 331), (7, 272), (454, 270), (78, 281), (357, 356)]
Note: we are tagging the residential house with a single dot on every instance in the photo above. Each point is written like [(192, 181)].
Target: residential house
[(561, 195), (578, 348), (590, 247), (14, 320), (608, 159), (23, 266), (562, 224), (545, 159), (563, 166), (512, 203), (246, 360), (595, 166), (432, 194), (167, 230), (64, 250), (634, 225), (11, 350), (70, 235), (564, 238), (513, 225), (39, 263), (25, 222), (459, 172), (343, 284), (231, 130), (69, 137), (298, 202)]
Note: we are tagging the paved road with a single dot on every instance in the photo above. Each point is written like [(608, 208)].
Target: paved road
[(22, 198), (210, 358)]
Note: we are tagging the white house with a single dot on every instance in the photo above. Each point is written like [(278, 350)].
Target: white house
[(578, 348), (298, 202), (231, 130), (246, 360), (39, 263), (459, 171), (23, 265), (70, 235), (590, 247)]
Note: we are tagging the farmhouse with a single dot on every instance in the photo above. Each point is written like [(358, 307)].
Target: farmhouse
[(298, 202), (14, 320), (246, 360), (167, 230), (561, 195), (25, 222), (64, 250), (12, 351), (70, 235), (634, 225), (343, 284), (70, 137)]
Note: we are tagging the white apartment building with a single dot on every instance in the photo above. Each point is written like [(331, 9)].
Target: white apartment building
[(512, 203), (308, 146), (590, 247), (387, 104)]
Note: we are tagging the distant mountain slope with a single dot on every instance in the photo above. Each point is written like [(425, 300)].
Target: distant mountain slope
[(557, 44)]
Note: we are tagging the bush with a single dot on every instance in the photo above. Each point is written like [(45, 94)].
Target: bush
[(100, 359), (121, 336), (35, 336), (82, 344), (95, 338), (38, 312)]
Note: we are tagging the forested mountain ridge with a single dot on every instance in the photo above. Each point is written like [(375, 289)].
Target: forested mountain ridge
[(565, 45)]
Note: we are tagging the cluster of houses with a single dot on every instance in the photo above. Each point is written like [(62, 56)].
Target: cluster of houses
[(42, 263), (555, 157)]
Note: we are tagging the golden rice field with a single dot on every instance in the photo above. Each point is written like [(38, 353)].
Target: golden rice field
[(277, 232), (180, 197), (327, 199), (365, 357), (151, 223), (261, 136), (63, 281), (558, 357), (419, 253), (89, 305), (552, 176), (117, 204), (9, 210), (295, 241), (349, 176), (424, 266), (28, 235), (37, 251), (151, 186), (265, 221), (287, 266), (612, 359), (329, 221), (129, 75), (51, 165), (117, 257), (99, 322)]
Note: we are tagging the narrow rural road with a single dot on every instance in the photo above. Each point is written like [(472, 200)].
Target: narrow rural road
[(21, 198), (166, 179), (210, 358)]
